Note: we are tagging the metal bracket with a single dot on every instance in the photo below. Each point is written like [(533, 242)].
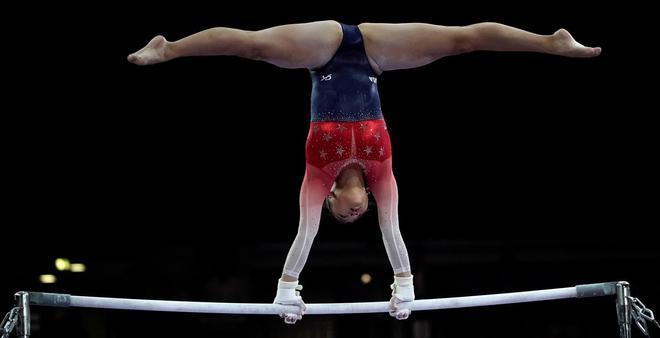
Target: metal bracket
[(631, 309), (623, 309), (18, 317), (23, 303)]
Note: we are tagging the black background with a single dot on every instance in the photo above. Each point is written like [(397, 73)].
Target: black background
[(516, 171)]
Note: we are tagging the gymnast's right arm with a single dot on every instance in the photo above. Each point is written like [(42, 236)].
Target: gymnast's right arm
[(315, 188), (306, 45)]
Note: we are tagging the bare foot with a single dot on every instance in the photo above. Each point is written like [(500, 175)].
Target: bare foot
[(562, 43), (153, 52)]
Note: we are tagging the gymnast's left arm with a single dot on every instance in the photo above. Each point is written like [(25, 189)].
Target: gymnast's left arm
[(385, 191)]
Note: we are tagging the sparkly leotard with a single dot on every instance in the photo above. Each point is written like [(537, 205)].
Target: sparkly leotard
[(347, 128)]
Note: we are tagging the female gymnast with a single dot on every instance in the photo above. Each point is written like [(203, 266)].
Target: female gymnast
[(348, 152)]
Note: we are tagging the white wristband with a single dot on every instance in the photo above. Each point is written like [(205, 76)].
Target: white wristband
[(288, 292), (403, 288)]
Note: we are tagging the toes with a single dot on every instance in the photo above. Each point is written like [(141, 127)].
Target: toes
[(136, 59), (589, 52)]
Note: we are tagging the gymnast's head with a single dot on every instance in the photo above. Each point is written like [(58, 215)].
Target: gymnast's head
[(347, 204), (348, 199)]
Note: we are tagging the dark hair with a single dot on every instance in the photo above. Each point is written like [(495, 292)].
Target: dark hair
[(371, 204)]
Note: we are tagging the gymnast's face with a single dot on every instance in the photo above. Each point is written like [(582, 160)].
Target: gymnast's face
[(348, 204)]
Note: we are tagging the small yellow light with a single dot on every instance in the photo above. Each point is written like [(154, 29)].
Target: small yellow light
[(78, 267), (47, 279), (62, 264), (366, 278)]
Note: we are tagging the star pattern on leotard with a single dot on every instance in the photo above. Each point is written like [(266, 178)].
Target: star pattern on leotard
[(333, 142)]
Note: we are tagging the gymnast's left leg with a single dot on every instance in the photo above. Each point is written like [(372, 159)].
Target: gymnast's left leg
[(410, 45)]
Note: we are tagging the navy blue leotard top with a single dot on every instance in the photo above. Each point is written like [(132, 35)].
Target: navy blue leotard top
[(345, 89)]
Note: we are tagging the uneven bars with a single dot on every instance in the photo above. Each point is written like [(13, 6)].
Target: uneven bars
[(64, 300)]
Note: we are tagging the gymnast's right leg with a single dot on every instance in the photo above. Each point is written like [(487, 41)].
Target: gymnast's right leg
[(306, 45)]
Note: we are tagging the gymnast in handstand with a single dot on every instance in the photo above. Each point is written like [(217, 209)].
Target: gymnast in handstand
[(348, 152)]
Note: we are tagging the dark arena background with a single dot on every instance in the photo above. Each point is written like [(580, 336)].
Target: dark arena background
[(180, 181)]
